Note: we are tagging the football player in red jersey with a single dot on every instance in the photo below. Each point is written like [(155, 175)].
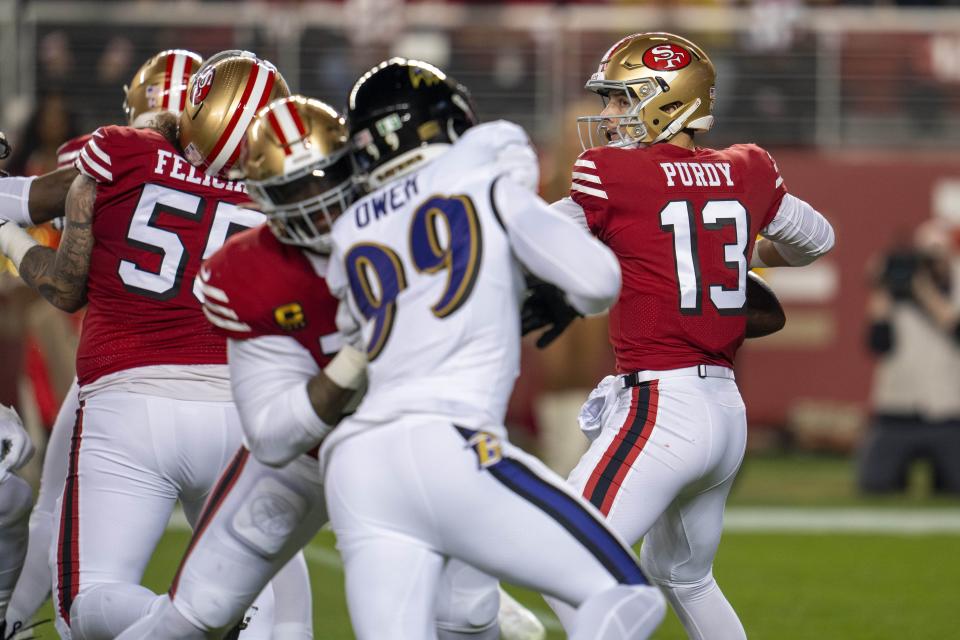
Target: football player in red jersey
[(668, 432), (292, 375), (158, 85), (156, 420)]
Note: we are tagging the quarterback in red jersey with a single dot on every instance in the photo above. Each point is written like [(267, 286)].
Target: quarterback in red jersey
[(669, 431), (140, 219)]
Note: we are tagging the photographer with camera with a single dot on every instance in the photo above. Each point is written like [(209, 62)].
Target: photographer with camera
[(914, 314)]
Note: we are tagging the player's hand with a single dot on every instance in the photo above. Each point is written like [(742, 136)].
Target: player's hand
[(546, 306), (15, 446)]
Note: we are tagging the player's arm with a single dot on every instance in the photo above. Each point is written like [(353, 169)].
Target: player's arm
[(556, 250), (796, 236), (59, 275), (286, 404), (35, 200)]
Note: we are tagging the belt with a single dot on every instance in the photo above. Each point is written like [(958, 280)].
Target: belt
[(701, 371)]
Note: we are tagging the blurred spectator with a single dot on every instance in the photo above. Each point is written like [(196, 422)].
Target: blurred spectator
[(914, 315), (35, 149)]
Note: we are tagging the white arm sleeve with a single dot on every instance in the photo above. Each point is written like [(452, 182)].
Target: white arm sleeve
[(15, 199), (570, 209), (799, 232), (556, 250), (269, 377)]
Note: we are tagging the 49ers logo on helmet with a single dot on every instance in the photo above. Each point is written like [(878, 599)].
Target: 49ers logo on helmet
[(201, 85), (666, 57)]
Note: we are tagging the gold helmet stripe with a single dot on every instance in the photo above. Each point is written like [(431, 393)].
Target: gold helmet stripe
[(255, 95), (175, 83), (288, 126)]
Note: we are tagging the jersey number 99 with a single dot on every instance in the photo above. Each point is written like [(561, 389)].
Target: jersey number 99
[(444, 236)]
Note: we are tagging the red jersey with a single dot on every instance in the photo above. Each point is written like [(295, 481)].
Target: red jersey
[(155, 219), (682, 223), (257, 286), (67, 152)]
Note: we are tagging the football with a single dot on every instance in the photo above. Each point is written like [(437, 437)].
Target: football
[(765, 314)]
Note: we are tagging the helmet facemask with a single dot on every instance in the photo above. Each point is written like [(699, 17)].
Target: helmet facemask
[(301, 206)]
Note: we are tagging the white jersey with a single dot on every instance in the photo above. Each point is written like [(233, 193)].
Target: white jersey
[(429, 269), (430, 265)]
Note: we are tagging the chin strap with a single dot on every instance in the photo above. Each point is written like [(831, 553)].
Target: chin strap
[(678, 123)]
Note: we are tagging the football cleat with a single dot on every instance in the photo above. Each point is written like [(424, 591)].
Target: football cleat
[(298, 169), (516, 622), (160, 85), (669, 82), (223, 97), (402, 114)]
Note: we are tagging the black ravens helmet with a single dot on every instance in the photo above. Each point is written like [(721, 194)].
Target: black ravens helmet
[(403, 113)]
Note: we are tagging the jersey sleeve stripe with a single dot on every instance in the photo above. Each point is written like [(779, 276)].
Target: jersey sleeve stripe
[(590, 191), (210, 291), (778, 182), (92, 145), (92, 169), (589, 164), (586, 177), (66, 159), (223, 323), (226, 312)]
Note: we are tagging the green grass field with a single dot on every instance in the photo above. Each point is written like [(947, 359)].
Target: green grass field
[(785, 586)]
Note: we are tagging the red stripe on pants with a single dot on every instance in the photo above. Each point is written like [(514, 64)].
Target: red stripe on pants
[(68, 554), (217, 497)]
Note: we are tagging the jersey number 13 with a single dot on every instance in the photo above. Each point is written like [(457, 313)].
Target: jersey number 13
[(677, 218)]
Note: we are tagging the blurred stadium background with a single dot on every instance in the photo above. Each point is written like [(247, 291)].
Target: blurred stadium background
[(859, 102)]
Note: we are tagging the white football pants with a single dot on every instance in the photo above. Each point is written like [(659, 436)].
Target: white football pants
[(33, 587), (405, 496), (131, 457), (663, 459), (16, 497), (256, 519)]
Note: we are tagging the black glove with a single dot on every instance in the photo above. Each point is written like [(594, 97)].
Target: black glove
[(546, 306)]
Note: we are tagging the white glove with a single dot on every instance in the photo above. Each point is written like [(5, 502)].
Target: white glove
[(15, 446)]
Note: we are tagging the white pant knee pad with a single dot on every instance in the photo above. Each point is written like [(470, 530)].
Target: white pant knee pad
[(268, 516)]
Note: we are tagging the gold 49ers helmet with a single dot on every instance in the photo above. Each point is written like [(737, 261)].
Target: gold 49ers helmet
[(160, 85), (222, 99), (669, 82), (297, 166)]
